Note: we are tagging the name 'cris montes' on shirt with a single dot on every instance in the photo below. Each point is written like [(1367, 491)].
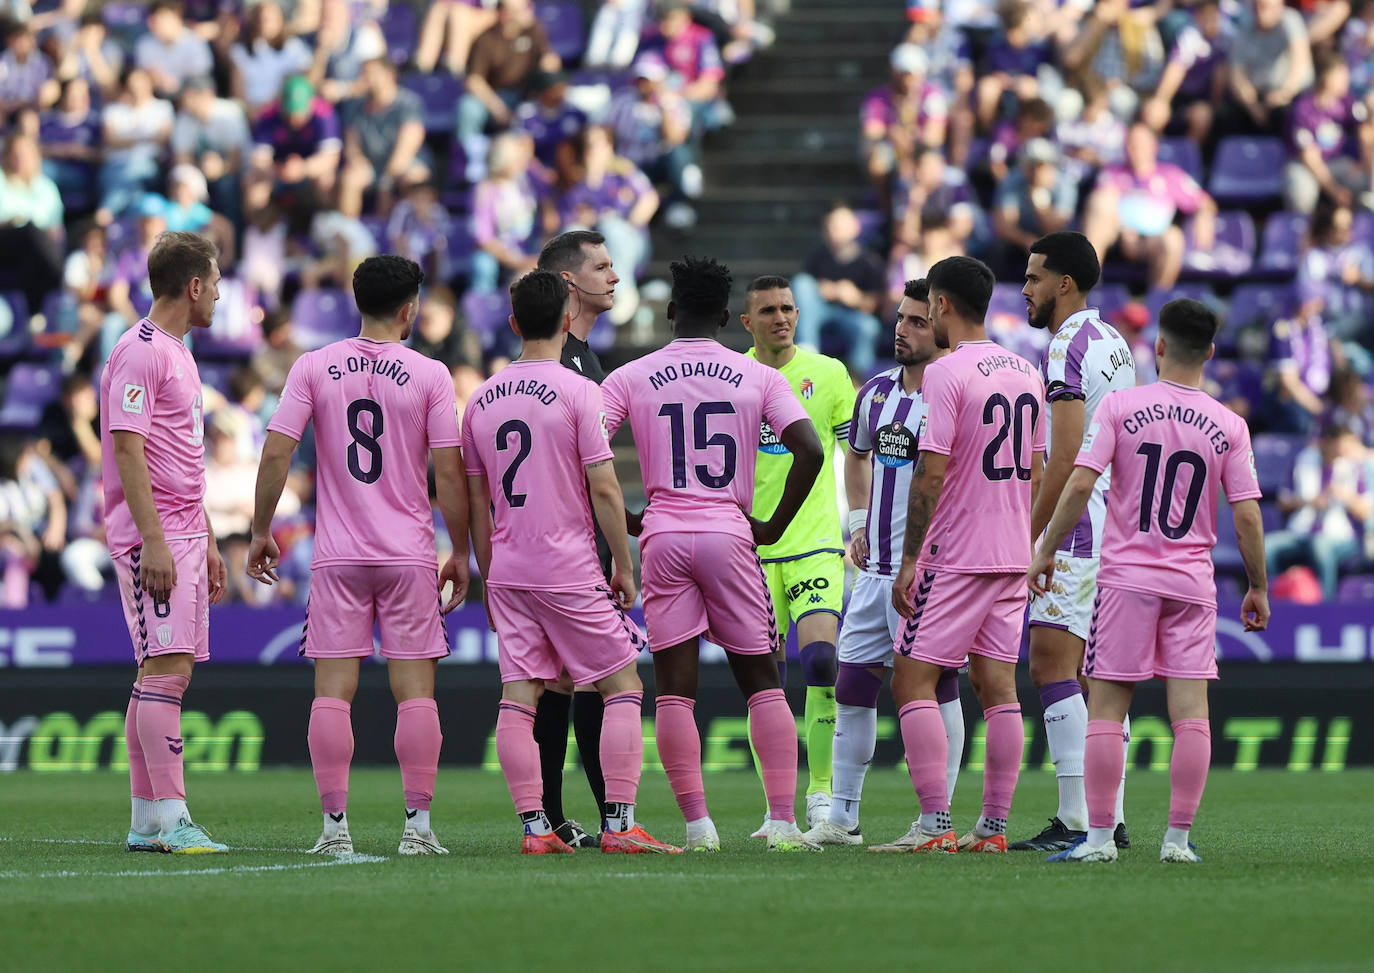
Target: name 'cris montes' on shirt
[(1187, 415)]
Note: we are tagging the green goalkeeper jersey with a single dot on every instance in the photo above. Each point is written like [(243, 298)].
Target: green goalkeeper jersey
[(823, 386)]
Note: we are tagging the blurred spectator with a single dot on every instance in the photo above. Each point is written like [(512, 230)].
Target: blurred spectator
[(614, 37), (443, 335), (548, 117), (1121, 48), (1270, 65), (212, 133), (171, 52), (950, 65), (69, 433), (1300, 372), (420, 229), (277, 353), (909, 112), (652, 126), (694, 63), (129, 295), (504, 211), (384, 140), (1351, 405), (937, 187), (33, 524), (70, 134), (89, 52), (503, 60), (1094, 139), (1039, 197), (922, 240), (30, 220), (298, 146), (1325, 18), (1034, 119), (1357, 44), (1335, 279), (25, 73), (1133, 323), (1330, 136), (1330, 505), (341, 48), (1014, 61), (187, 208), (1195, 76), (136, 130), (247, 402), (1134, 206), (265, 56), (449, 28), (840, 289), (85, 278)]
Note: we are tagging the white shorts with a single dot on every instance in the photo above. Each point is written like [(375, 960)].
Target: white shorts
[(870, 623), (1069, 603)]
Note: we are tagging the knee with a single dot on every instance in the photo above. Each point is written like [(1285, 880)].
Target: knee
[(819, 664)]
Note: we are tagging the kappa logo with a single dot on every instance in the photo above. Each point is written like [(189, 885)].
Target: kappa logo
[(815, 600), (164, 635), (1052, 610), (133, 399), (808, 388), (814, 585), (880, 398)]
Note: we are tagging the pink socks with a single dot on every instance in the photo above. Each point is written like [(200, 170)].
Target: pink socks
[(139, 784), (331, 751), (679, 750), (157, 717), (773, 731), (622, 746), (927, 753), (1188, 770), (519, 755), (1103, 761), (1005, 740), (417, 743)]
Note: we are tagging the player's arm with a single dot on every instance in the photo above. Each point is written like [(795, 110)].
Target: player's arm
[(807, 459), (479, 521), (1072, 502), (608, 504), (1066, 435), (158, 569), (1254, 610), (451, 490), (858, 486), (927, 482), (263, 553)]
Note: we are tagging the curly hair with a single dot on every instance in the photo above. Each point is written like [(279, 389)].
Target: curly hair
[(382, 284), (701, 286)]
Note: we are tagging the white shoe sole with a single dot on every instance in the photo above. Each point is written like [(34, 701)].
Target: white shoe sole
[(333, 846)]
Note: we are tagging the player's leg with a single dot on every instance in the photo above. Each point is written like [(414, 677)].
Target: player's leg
[(552, 715), (923, 737), (588, 714), (952, 715), (817, 610), (143, 823), (1055, 656), (775, 573), (1187, 662), (330, 740)]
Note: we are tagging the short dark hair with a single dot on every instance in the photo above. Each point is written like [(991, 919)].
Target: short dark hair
[(1071, 255), (966, 282), (176, 259), (567, 250), (382, 284), (1189, 327), (768, 282), (1035, 109), (917, 290), (539, 300), (1326, 61), (701, 286)]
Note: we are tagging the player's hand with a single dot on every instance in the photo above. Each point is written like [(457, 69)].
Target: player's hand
[(765, 532), (158, 571), (901, 590), (455, 570), (858, 548), (1041, 573), (217, 575), (623, 584), (1254, 610), (634, 522), (263, 558)]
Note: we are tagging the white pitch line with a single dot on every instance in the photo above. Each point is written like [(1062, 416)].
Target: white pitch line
[(115, 843), (228, 869)]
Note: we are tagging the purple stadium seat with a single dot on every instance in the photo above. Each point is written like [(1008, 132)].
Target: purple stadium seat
[(1253, 306), (1282, 241), (1007, 324), (235, 333), (1248, 169), (324, 315), (439, 93), (1184, 153), (1363, 229), (566, 24), (1226, 555), (1356, 588), (1274, 456), (486, 314), (215, 375), (401, 31), (1110, 299), (375, 225), (1231, 256), (870, 224), (1156, 298), (1228, 589), (1237, 380), (29, 389), (1271, 516)]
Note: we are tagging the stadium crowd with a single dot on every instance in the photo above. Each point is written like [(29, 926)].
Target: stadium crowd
[(1218, 150)]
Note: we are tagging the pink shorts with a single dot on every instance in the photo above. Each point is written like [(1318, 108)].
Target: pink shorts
[(712, 583), (958, 615), (178, 625), (1137, 636), (540, 633), (347, 600)]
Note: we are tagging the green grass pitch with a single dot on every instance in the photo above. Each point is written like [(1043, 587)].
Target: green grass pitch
[(1287, 884)]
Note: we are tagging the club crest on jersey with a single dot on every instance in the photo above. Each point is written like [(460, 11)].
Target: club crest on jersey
[(133, 399), (1254, 473), (808, 388), (164, 635), (895, 445), (769, 442)]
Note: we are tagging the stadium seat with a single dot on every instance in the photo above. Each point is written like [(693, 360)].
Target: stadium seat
[(400, 30), (439, 95), (486, 314), (566, 24), (323, 315), (215, 375), (1109, 299), (235, 334), (1253, 307), (1157, 297), (1356, 588), (1274, 456), (1184, 153), (1226, 555), (1363, 228), (1231, 255), (1271, 516), (1248, 169), (870, 225), (1237, 379), (28, 391), (1281, 244)]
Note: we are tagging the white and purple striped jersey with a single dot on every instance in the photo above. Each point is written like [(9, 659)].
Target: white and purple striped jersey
[(1085, 360), (886, 422)]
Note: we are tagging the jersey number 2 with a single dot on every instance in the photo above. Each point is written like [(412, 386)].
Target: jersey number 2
[(521, 432)]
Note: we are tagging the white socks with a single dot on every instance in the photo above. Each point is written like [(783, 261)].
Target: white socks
[(952, 713), (1176, 836), (169, 813), (418, 819), (1066, 730), (332, 827), (856, 735), (143, 820), (700, 828), (1121, 790)]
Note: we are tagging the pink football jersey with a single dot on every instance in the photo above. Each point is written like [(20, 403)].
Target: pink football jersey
[(1171, 448), (151, 386), (379, 408), (984, 410), (531, 430), (695, 408)]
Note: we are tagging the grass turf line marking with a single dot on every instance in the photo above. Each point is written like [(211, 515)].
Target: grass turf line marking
[(337, 860), (116, 843)]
